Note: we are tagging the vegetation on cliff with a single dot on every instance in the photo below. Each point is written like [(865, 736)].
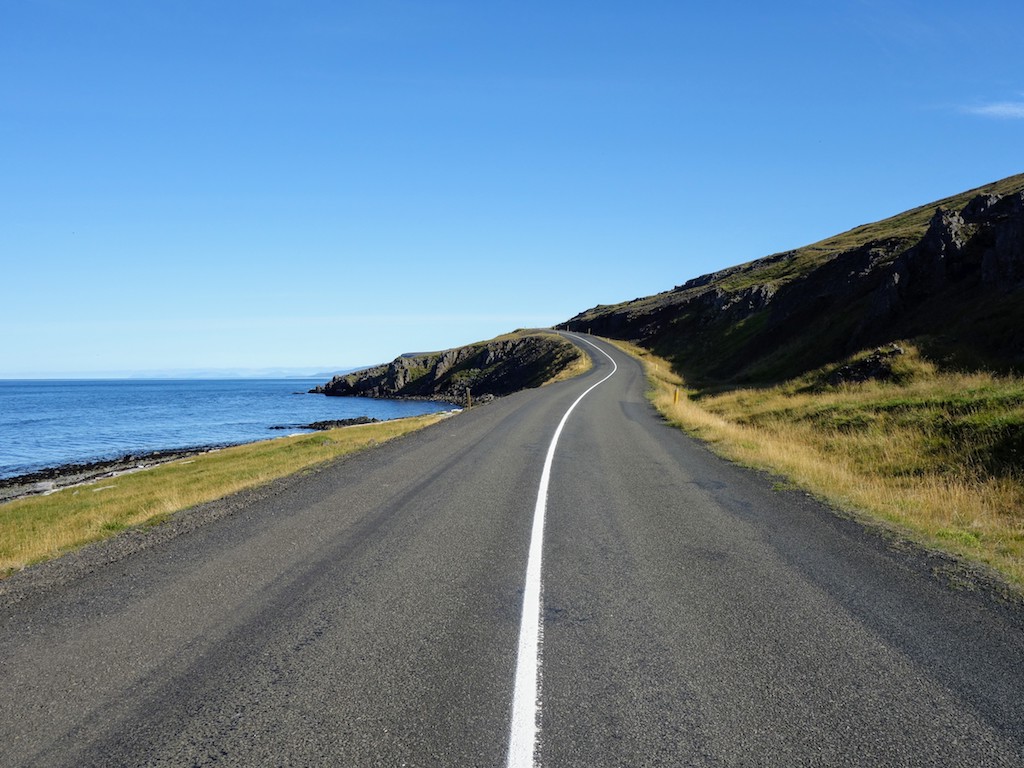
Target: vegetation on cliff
[(497, 367), (949, 276)]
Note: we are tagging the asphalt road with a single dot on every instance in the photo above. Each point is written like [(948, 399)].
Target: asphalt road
[(368, 614)]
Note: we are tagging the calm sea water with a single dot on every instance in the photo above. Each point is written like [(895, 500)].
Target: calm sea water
[(48, 423)]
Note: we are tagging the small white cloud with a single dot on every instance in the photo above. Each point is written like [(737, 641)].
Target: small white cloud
[(1002, 109)]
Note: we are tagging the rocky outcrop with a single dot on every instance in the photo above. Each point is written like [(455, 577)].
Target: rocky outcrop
[(984, 241), (953, 275), (323, 426), (877, 366), (488, 369)]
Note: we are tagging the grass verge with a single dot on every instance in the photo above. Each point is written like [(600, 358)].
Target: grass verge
[(577, 366), (43, 527), (937, 456)]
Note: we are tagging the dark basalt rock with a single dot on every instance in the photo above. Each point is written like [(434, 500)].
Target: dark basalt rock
[(959, 285), (876, 366), (488, 369), (329, 423)]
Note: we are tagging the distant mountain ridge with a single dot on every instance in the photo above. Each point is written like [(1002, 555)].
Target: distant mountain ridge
[(948, 275)]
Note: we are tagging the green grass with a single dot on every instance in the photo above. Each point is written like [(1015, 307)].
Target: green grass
[(42, 527)]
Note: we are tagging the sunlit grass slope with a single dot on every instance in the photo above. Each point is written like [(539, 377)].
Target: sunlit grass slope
[(937, 455)]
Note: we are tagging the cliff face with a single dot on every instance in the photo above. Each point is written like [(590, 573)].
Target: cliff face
[(497, 367), (952, 281)]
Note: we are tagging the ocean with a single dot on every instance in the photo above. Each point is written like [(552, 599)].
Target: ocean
[(47, 423)]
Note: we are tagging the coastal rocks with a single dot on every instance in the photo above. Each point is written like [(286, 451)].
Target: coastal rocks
[(335, 423), (488, 369), (53, 478), (329, 423)]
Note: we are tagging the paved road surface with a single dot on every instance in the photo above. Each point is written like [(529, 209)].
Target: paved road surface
[(369, 615)]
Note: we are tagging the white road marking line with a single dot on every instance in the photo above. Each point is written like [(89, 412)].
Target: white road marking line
[(526, 704)]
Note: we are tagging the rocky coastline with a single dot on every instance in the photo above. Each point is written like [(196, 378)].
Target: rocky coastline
[(50, 479), (319, 426), (487, 370)]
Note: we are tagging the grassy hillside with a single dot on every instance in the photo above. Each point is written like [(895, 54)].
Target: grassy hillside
[(898, 231), (953, 283)]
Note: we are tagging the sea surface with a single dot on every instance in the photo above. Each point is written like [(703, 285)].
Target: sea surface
[(47, 423)]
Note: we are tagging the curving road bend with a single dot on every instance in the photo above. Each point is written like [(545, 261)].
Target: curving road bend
[(369, 614)]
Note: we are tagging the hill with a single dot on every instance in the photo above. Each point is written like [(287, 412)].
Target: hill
[(879, 369), (492, 368), (948, 276)]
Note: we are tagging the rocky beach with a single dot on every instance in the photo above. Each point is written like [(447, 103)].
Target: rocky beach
[(65, 475), (54, 478)]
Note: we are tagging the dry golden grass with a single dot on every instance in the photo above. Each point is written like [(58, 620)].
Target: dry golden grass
[(935, 457), (43, 527), (581, 364)]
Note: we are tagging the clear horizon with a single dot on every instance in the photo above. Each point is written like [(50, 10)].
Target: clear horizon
[(259, 185), (307, 372)]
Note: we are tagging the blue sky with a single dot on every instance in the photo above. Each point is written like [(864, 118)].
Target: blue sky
[(313, 185)]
